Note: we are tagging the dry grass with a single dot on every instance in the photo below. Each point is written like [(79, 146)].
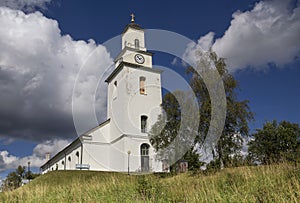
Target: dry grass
[(276, 183)]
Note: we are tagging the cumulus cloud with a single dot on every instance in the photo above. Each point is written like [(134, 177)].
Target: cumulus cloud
[(49, 146), (206, 41), (38, 69), (9, 161), (203, 44), (26, 5), (269, 33)]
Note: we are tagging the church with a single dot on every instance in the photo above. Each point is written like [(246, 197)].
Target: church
[(134, 97)]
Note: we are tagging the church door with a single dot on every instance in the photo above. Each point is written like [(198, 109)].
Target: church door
[(145, 157)]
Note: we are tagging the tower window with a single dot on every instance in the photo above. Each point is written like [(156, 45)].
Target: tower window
[(136, 43), (144, 124), (142, 85)]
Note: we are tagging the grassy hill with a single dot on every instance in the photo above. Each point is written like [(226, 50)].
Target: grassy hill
[(276, 183)]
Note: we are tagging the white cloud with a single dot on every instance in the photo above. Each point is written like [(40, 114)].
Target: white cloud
[(204, 44), (206, 41), (27, 5), (269, 33), (9, 161), (38, 68), (49, 146)]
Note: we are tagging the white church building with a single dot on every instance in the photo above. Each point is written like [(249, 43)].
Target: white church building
[(121, 143)]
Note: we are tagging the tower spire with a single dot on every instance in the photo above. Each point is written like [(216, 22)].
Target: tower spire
[(132, 17)]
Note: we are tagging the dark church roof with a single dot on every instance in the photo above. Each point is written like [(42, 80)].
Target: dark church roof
[(132, 25)]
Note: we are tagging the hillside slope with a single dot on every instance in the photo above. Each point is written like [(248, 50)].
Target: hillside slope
[(277, 183)]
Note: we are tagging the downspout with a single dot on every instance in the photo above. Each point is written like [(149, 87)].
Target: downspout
[(65, 161), (81, 154)]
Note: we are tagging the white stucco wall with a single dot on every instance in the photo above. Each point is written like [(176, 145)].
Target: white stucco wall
[(96, 155), (70, 151), (130, 35), (129, 105)]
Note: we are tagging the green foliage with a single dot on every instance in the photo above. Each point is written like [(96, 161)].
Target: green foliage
[(238, 113), (148, 187), (227, 149), (213, 167), (275, 143), (192, 157), (14, 179), (173, 131)]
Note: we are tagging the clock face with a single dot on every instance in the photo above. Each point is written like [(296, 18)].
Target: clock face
[(139, 58)]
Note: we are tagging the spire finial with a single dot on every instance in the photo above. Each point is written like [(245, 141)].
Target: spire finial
[(132, 17)]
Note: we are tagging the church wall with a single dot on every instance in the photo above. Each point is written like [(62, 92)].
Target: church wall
[(102, 134), (134, 145), (116, 104), (56, 162), (141, 104), (71, 158), (118, 156), (126, 109), (129, 37), (96, 155), (156, 165)]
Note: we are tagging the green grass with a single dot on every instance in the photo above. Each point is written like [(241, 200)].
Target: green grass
[(276, 183)]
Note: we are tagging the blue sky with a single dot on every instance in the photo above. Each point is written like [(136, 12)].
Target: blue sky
[(259, 40)]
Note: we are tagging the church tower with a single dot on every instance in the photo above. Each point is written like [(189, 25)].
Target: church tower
[(134, 99)]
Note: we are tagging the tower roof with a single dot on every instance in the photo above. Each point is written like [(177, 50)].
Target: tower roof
[(132, 24)]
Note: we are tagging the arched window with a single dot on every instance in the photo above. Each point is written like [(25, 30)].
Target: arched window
[(69, 158), (136, 43), (77, 154), (115, 91), (142, 85), (64, 166), (145, 149), (144, 123)]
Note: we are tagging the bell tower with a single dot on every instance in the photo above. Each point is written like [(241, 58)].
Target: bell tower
[(134, 87), (133, 46), (133, 102)]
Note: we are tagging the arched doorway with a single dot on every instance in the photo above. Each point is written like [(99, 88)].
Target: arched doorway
[(145, 157)]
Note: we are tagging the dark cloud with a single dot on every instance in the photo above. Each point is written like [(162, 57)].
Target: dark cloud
[(26, 5), (38, 70)]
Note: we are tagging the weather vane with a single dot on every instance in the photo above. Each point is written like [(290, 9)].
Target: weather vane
[(132, 17)]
